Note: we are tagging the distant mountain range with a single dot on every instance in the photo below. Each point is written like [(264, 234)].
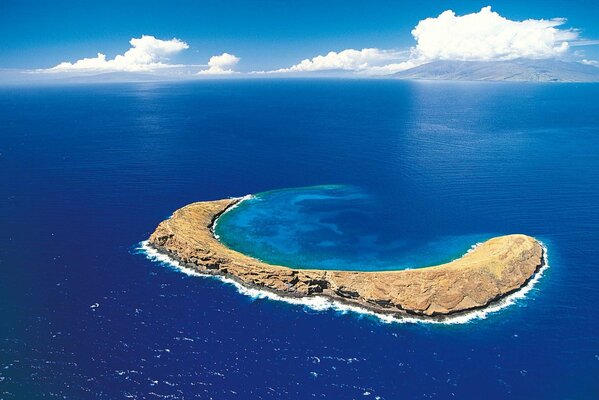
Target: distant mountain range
[(515, 71), (521, 70), (111, 77)]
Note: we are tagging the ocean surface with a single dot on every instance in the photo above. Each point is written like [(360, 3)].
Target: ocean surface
[(364, 174)]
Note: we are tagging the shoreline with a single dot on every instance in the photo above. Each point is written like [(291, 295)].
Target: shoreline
[(481, 278), (321, 303), (235, 202)]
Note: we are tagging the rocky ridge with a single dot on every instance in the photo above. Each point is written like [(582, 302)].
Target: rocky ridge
[(489, 272)]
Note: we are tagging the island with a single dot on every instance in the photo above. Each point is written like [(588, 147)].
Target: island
[(487, 273)]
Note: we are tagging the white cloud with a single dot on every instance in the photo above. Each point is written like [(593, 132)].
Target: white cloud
[(594, 63), (486, 35), (221, 65), (146, 54), (346, 60)]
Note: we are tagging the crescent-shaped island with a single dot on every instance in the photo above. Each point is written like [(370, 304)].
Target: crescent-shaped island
[(489, 272)]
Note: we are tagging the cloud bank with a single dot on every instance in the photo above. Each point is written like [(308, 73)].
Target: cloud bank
[(480, 36), (346, 60), (486, 35), (221, 65), (146, 54)]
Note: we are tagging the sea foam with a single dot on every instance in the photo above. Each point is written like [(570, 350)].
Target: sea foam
[(321, 303)]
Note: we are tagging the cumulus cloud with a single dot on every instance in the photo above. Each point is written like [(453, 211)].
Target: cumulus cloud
[(486, 35), (146, 54), (346, 60), (221, 65), (480, 36)]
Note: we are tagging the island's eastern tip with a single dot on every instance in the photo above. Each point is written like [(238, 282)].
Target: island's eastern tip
[(486, 274)]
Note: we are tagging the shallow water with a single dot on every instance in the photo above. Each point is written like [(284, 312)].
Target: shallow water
[(87, 172), (332, 227)]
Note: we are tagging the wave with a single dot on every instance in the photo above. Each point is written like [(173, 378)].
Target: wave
[(321, 303)]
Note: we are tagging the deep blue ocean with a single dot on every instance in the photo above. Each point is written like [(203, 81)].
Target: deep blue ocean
[(87, 172)]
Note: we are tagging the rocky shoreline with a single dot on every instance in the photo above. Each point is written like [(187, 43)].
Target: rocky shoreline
[(491, 271)]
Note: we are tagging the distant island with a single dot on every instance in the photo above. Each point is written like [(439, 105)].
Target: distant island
[(489, 272), (521, 70)]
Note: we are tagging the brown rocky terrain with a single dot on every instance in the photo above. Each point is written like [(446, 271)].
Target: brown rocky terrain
[(492, 270)]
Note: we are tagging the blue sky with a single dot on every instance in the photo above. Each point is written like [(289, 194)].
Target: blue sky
[(265, 35)]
